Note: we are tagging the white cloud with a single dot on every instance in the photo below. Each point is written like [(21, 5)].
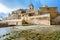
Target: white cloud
[(4, 8)]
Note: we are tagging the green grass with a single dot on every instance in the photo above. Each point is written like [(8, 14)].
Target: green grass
[(34, 35)]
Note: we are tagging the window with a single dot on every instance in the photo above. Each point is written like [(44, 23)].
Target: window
[(23, 11), (30, 14)]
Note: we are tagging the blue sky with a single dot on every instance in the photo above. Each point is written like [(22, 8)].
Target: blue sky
[(7, 6)]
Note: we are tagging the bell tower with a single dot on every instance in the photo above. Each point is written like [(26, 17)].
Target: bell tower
[(31, 6)]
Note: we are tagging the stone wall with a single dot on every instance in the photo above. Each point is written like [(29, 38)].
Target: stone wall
[(51, 10), (39, 20), (3, 24)]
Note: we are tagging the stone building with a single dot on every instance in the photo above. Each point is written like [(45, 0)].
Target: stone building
[(44, 15)]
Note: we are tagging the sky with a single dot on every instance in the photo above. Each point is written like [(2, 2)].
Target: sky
[(6, 6)]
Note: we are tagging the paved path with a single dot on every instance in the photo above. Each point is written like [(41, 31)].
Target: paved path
[(37, 27)]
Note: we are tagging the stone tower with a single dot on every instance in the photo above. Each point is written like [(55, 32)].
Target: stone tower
[(31, 6)]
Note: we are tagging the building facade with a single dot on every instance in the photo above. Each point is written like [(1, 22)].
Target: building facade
[(44, 15)]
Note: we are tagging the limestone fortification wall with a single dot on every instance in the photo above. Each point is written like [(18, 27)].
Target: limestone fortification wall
[(40, 19), (44, 15)]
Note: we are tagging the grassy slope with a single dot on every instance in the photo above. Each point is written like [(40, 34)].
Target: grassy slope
[(40, 33)]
